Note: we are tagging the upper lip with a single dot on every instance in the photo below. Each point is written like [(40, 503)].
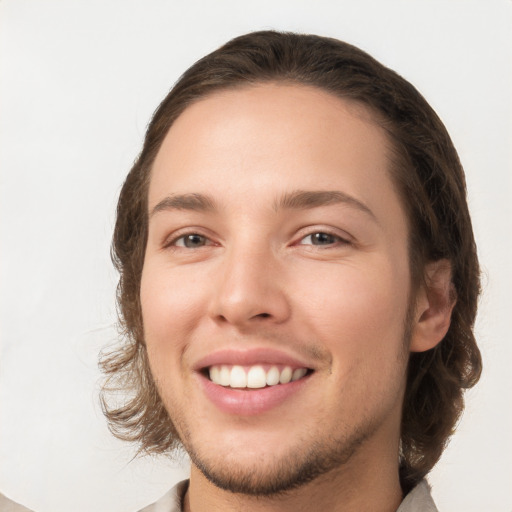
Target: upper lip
[(250, 357)]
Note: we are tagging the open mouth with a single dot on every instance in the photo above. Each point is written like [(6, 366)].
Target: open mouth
[(255, 376)]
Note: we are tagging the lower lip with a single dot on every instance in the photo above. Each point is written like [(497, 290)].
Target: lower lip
[(249, 402)]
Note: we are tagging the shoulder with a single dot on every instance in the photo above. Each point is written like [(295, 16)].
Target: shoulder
[(7, 505), (418, 500), (170, 501)]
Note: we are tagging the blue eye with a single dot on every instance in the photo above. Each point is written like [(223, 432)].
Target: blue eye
[(320, 239), (191, 241)]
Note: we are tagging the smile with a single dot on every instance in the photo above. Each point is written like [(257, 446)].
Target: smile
[(254, 377), (253, 381)]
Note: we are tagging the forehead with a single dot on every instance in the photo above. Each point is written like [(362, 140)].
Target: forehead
[(264, 140)]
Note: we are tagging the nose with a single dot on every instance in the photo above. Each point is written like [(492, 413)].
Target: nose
[(249, 288)]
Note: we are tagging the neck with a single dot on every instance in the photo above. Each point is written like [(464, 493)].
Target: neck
[(369, 484)]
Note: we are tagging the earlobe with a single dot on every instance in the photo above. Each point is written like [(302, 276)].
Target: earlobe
[(434, 305)]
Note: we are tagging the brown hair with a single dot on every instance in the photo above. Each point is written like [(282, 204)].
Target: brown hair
[(431, 183)]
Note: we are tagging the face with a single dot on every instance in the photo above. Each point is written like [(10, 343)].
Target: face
[(276, 286)]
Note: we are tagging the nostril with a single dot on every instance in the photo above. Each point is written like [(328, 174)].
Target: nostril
[(264, 315)]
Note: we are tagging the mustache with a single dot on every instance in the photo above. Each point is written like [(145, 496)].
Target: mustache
[(309, 350)]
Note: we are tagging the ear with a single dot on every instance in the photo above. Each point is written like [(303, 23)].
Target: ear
[(434, 305)]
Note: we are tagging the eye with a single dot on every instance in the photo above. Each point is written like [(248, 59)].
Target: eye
[(321, 239), (191, 241)]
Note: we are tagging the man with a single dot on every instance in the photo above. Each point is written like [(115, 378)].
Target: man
[(298, 283)]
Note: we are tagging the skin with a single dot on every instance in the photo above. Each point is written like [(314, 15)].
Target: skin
[(257, 278)]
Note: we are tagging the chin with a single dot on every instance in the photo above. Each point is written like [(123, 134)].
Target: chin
[(269, 473)]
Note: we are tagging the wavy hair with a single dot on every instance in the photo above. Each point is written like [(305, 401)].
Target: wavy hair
[(430, 181)]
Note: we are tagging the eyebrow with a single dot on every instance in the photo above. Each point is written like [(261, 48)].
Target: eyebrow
[(295, 200), (194, 202), (305, 199)]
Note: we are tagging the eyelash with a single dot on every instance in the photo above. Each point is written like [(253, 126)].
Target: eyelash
[(174, 242), (337, 240)]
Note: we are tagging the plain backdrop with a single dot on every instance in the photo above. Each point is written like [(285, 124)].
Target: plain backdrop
[(79, 82)]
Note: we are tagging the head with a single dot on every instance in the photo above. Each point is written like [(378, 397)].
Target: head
[(428, 180)]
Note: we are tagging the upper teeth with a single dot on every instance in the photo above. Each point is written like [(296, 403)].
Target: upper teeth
[(254, 376)]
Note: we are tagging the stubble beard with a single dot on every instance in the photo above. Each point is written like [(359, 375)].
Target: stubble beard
[(290, 471), (309, 459)]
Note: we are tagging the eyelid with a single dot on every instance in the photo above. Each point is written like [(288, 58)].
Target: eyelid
[(336, 240), (170, 240), (183, 238), (343, 236)]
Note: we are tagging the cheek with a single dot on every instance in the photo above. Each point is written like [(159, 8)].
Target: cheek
[(171, 308), (358, 310), (168, 298)]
